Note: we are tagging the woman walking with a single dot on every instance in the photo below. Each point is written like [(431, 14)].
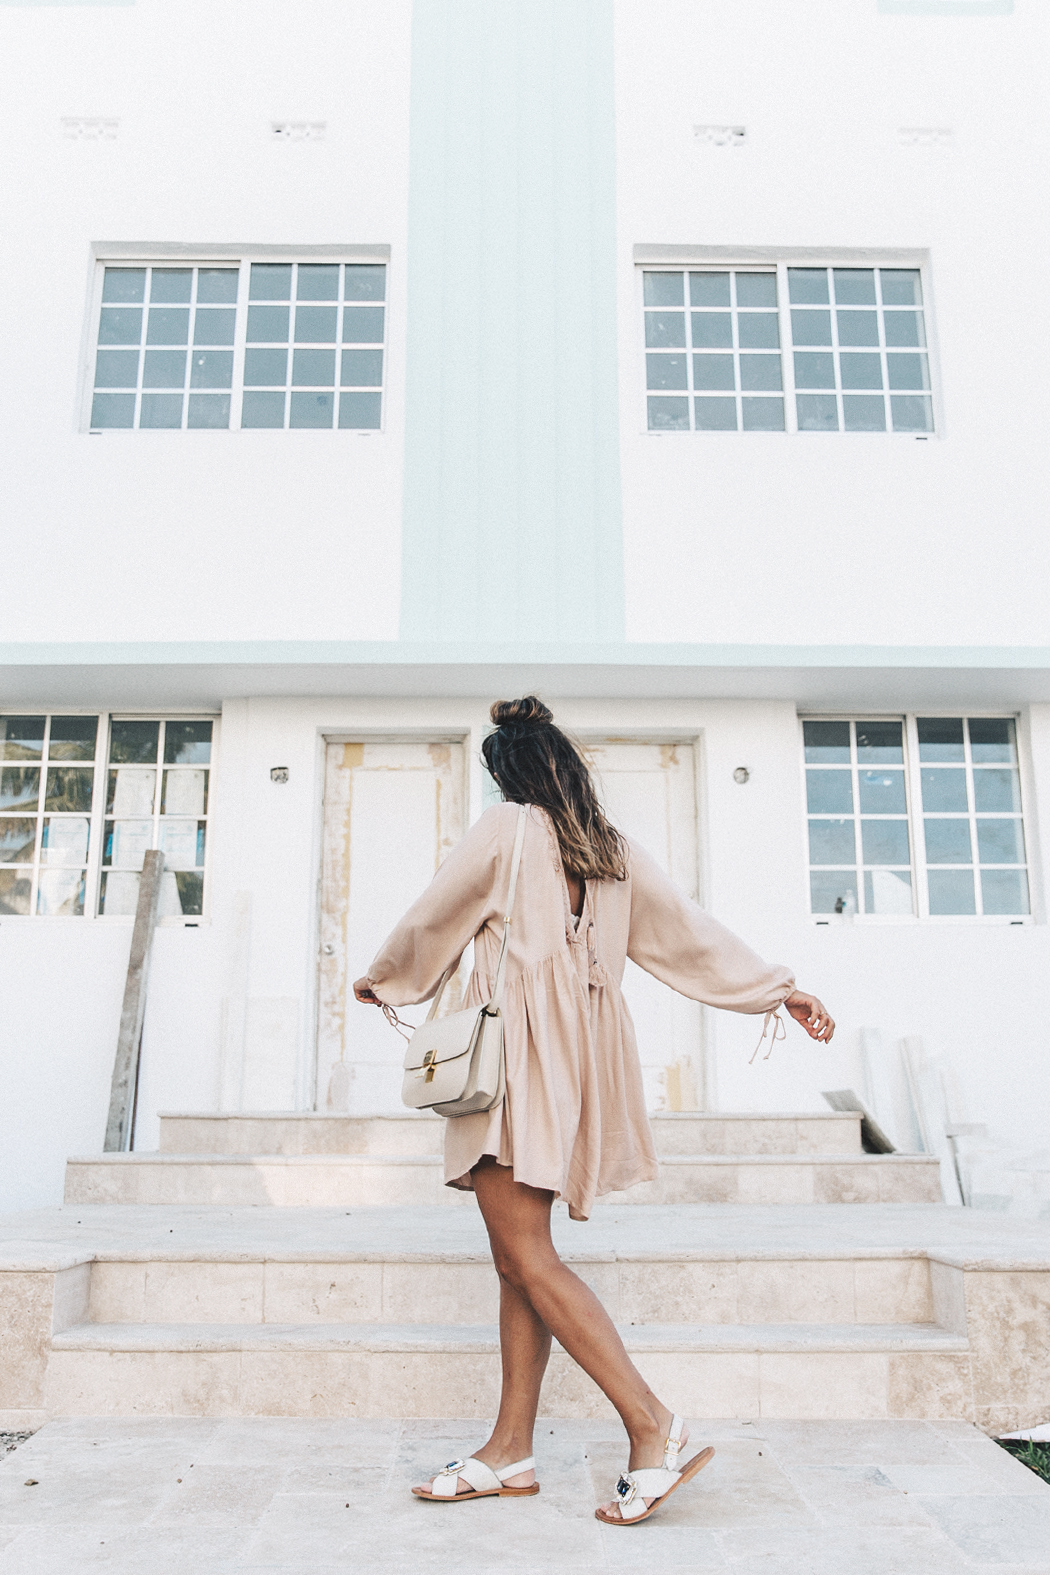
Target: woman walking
[(573, 1122)]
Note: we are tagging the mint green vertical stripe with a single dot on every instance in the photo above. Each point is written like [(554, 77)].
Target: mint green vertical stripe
[(512, 523)]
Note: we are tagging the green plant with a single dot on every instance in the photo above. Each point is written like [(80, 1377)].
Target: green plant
[(1035, 1456)]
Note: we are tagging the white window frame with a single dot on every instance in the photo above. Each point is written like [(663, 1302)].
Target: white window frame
[(97, 816), (690, 351), (757, 259), (913, 792), (178, 255)]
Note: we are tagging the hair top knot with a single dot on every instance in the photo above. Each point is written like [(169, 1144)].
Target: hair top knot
[(526, 712), (533, 762)]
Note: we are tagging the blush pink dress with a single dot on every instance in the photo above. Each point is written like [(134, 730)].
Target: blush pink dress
[(574, 1120)]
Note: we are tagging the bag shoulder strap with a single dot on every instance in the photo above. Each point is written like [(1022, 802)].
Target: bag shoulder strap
[(501, 966)]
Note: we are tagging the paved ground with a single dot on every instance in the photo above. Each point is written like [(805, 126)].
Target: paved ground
[(188, 1497)]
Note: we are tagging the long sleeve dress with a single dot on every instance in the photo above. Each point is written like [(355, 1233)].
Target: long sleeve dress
[(573, 1121)]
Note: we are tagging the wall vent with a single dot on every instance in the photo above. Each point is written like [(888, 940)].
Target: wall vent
[(721, 136), (298, 130), (90, 128), (925, 136)]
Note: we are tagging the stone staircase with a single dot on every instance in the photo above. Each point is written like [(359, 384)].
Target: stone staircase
[(321, 1161), (831, 1284)]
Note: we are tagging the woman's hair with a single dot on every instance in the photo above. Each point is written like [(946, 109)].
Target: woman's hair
[(533, 762)]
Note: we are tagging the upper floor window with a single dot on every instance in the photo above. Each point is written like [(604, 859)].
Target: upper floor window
[(82, 798), (920, 815), (796, 349), (237, 345)]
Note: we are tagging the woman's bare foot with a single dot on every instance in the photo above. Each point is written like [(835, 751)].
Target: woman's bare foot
[(494, 1454), (646, 1451)]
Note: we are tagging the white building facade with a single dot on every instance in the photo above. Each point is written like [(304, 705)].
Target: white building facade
[(367, 364)]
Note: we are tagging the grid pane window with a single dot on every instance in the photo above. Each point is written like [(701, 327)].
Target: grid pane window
[(786, 348), (859, 355), (165, 348), (314, 355), (157, 782), (973, 830), (47, 789), (857, 806), (919, 815), (249, 345), (712, 357)]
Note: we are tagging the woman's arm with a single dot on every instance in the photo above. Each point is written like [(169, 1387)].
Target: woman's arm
[(676, 941)]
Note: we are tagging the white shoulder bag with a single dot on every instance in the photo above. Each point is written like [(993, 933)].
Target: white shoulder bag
[(455, 1064)]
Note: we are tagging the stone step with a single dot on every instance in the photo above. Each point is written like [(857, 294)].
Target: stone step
[(389, 1369), (462, 1288), (843, 1286), (364, 1180), (685, 1132)]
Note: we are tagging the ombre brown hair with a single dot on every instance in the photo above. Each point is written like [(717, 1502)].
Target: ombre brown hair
[(534, 762)]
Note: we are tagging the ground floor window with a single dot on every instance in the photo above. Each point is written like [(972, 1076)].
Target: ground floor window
[(915, 816), (82, 798), (47, 794)]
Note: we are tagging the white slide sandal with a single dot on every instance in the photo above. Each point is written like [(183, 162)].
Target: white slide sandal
[(654, 1482), (484, 1482)]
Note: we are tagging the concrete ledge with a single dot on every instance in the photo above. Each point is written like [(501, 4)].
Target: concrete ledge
[(316, 1132), (688, 1233), (485, 1337), (303, 1381), (363, 1180)]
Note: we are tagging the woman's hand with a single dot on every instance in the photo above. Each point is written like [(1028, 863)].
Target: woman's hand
[(364, 993), (812, 1015)]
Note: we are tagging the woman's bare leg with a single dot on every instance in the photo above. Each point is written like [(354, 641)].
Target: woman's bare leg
[(518, 1222), (525, 1346)]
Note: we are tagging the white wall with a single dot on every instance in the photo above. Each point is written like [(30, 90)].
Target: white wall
[(728, 538), (745, 537), (61, 984), (848, 538), (196, 535)]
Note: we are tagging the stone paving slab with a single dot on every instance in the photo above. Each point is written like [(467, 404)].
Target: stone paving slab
[(56, 1237), (312, 1497)]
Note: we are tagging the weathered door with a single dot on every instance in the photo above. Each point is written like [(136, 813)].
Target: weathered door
[(392, 811), (650, 793)]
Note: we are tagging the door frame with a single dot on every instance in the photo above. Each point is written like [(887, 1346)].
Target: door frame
[(462, 736)]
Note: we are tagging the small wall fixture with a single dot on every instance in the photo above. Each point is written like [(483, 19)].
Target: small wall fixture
[(925, 136), (278, 773), (741, 775), (721, 136), (90, 128), (298, 130)]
